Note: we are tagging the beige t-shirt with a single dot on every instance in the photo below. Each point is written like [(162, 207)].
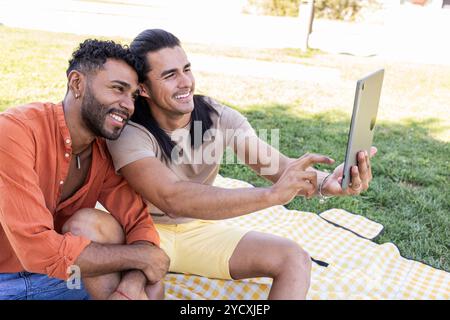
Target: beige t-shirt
[(200, 165)]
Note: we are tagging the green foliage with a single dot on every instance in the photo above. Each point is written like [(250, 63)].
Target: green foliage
[(272, 7), (331, 9), (337, 9), (410, 173)]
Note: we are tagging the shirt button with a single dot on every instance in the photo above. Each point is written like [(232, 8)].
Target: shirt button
[(66, 155), (67, 141), (61, 182)]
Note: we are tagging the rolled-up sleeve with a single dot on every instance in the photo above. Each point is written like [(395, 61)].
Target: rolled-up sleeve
[(236, 126), (128, 208), (24, 217)]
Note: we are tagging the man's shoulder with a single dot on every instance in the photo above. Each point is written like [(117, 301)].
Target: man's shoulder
[(32, 115), (214, 104), (222, 110), (134, 134), (227, 117), (29, 111), (133, 128)]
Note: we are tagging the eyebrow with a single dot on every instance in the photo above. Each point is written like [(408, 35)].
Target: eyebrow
[(126, 85), (123, 83), (166, 72)]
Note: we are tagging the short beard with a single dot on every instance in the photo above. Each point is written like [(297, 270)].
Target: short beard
[(94, 116)]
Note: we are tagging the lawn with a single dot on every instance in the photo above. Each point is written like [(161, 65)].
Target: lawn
[(409, 194)]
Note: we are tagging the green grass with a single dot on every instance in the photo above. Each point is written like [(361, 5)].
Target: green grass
[(409, 194)]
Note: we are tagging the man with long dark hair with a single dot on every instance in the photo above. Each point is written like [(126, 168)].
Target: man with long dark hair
[(54, 167), (171, 152)]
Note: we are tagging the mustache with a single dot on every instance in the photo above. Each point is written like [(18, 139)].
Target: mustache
[(90, 102)]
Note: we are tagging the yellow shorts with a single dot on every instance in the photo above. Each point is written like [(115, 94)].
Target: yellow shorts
[(200, 247)]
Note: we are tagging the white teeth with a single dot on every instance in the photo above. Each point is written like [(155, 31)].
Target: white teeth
[(116, 117), (181, 96)]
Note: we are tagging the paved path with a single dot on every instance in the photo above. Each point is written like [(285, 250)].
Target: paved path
[(263, 69)]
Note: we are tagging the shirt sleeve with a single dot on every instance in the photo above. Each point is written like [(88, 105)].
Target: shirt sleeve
[(132, 145), (128, 208), (24, 217), (235, 126)]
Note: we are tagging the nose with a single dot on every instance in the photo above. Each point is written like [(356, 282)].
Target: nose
[(128, 103), (185, 81)]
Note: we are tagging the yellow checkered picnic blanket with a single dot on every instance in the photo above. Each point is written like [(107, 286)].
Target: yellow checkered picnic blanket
[(358, 268)]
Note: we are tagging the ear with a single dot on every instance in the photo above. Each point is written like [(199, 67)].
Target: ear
[(144, 91), (76, 81)]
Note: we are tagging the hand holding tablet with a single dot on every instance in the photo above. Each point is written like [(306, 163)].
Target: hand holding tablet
[(353, 176), (365, 109)]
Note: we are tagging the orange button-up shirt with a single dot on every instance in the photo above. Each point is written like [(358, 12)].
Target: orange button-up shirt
[(35, 153)]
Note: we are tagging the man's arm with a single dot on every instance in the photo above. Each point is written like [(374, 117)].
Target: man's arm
[(128, 208), (261, 157), (24, 217), (98, 259), (142, 239), (159, 185), (269, 163)]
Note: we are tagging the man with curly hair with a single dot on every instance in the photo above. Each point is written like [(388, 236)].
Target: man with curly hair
[(54, 167)]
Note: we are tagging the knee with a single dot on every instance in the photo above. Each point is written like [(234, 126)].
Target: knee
[(96, 225), (294, 258)]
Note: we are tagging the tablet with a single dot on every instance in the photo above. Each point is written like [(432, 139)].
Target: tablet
[(365, 108)]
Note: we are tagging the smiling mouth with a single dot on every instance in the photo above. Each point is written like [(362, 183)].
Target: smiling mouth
[(183, 96), (118, 117)]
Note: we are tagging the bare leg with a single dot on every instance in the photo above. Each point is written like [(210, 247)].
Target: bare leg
[(99, 227), (264, 255)]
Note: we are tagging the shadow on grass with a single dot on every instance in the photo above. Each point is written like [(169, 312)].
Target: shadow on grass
[(411, 175)]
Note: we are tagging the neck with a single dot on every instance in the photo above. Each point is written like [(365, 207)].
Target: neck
[(169, 121), (81, 136)]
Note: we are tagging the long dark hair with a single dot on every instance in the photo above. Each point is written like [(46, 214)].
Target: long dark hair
[(143, 116), (152, 40)]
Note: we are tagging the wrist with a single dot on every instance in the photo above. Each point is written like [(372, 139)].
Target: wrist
[(321, 190), (271, 197)]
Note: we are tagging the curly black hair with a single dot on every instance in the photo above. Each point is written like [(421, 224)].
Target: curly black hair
[(92, 54)]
